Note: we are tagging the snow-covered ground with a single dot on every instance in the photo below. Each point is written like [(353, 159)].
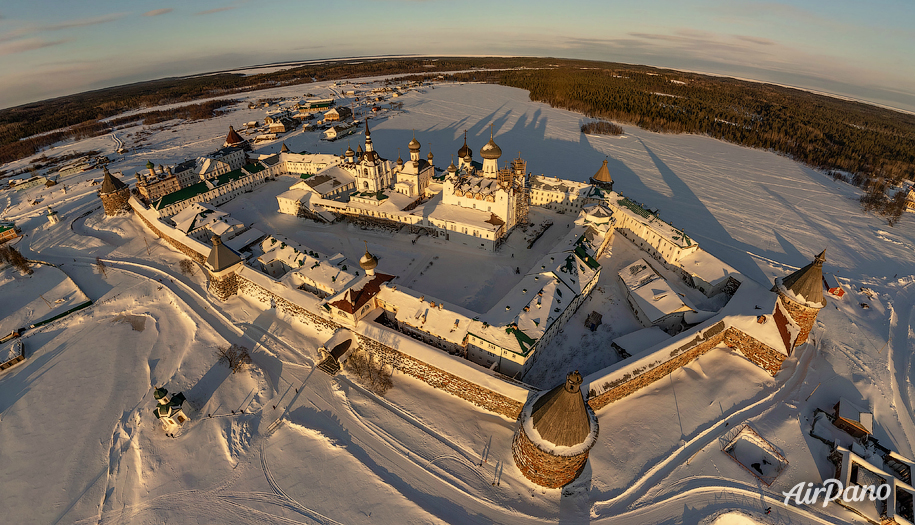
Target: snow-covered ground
[(282, 443)]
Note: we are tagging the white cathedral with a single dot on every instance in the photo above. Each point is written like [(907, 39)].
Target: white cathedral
[(475, 204)]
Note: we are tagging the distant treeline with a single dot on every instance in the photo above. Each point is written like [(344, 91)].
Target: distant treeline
[(26, 129), (820, 131), (875, 146)]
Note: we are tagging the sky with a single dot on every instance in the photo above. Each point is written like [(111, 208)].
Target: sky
[(861, 50)]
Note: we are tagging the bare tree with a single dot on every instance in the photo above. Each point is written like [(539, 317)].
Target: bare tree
[(12, 256), (101, 266), (235, 356), (187, 267), (372, 373)]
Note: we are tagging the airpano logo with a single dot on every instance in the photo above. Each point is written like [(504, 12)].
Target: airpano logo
[(832, 490)]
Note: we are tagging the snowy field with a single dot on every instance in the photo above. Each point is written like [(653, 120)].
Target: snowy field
[(287, 444), (29, 299)]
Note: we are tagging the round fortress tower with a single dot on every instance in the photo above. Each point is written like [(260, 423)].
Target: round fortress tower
[(801, 293), (556, 434)]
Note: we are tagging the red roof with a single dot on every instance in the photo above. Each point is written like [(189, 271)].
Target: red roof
[(233, 138), (356, 299)]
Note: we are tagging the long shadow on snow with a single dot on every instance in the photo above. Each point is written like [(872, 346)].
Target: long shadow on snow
[(328, 424), (706, 226)]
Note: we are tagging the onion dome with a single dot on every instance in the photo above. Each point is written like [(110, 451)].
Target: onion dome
[(490, 150), (150, 165), (414, 144), (349, 151), (368, 261), (451, 167), (465, 151), (111, 184), (429, 156), (805, 285), (399, 160)]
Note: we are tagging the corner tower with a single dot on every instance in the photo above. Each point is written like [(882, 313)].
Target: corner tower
[(221, 266), (114, 194), (801, 294), (556, 434)]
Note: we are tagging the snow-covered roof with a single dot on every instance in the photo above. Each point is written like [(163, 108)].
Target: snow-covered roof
[(426, 313), (640, 340), (852, 412), (708, 267), (436, 210), (651, 292), (202, 215), (557, 185), (325, 181), (245, 239), (805, 285), (637, 212)]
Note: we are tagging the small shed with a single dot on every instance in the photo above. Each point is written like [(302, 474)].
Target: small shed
[(853, 419), (832, 285), (593, 321)]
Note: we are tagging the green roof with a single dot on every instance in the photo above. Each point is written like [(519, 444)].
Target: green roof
[(181, 195), (635, 207), (229, 177), (583, 255), (253, 168), (7, 226)]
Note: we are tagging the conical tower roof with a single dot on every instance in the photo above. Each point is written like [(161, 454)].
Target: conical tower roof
[(284, 149), (221, 256), (111, 184), (233, 138), (560, 415), (807, 283), (603, 174)]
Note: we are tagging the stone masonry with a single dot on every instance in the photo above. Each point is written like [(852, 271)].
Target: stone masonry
[(225, 286), (116, 202), (198, 257), (804, 316), (435, 377), (760, 354), (543, 468)]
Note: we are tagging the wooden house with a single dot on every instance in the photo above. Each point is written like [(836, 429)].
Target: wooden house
[(853, 419)]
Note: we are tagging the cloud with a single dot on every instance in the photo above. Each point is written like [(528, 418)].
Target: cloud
[(157, 12), (217, 10), (83, 22), (28, 44)]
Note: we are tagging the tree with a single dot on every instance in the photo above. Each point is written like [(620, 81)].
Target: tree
[(12, 256), (101, 266), (235, 356), (187, 267), (372, 373)]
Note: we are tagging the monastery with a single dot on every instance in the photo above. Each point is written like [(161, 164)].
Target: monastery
[(483, 357)]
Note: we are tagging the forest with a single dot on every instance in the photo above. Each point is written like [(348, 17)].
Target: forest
[(865, 145)]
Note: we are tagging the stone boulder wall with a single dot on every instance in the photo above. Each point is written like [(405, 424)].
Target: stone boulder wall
[(760, 354), (178, 245), (542, 468), (442, 380), (804, 316), (433, 376)]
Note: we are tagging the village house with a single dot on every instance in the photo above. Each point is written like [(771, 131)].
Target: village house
[(338, 114)]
